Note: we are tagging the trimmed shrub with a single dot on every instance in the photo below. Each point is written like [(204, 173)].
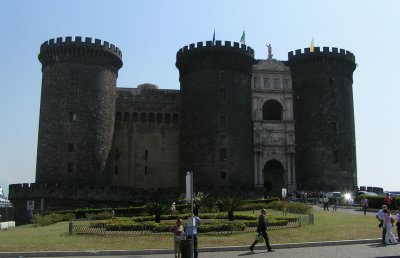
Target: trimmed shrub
[(100, 215), (68, 216), (292, 207), (47, 219)]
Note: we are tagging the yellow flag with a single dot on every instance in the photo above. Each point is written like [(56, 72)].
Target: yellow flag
[(312, 45)]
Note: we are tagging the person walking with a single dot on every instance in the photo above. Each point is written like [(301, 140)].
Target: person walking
[(335, 203), (192, 230), (388, 224), (381, 217), (326, 203), (262, 229), (388, 201), (178, 236), (364, 204), (398, 225)]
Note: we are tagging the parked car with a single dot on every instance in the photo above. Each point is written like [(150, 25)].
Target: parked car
[(332, 195)]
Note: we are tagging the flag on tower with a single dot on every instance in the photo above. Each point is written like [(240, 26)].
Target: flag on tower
[(214, 37), (312, 45), (243, 38)]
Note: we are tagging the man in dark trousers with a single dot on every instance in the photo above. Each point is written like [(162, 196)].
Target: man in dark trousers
[(191, 230), (262, 229)]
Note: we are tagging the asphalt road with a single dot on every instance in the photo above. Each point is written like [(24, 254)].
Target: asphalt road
[(348, 251)]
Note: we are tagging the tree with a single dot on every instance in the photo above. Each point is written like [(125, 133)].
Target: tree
[(198, 200), (230, 204), (156, 209)]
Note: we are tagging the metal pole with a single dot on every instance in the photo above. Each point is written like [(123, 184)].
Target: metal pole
[(191, 212)]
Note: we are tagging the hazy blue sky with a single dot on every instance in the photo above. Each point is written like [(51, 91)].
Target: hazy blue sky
[(150, 32)]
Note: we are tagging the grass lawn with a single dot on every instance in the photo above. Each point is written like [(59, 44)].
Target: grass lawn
[(340, 225)]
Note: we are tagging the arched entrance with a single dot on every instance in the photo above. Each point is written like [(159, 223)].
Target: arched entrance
[(274, 177)]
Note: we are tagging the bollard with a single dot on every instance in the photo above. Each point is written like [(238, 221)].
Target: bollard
[(186, 248), (70, 227)]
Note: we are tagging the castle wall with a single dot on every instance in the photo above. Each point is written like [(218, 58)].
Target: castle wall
[(146, 139), (324, 115)]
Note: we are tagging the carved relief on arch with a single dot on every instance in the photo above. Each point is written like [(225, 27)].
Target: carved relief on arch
[(273, 155), (266, 83), (256, 82), (277, 83)]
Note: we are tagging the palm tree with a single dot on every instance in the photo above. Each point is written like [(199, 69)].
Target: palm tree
[(198, 199), (230, 204), (156, 209)]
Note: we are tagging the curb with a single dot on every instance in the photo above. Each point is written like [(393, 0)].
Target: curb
[(170, 251)]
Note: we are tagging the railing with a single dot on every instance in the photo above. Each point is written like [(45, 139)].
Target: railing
[(86, 226)]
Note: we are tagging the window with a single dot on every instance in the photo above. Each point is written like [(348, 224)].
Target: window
[(335, 157), (135, 117), (222, 175), (146, 154), (272, 110), (70, 167), (116, 170), (159, 117), (143, 117), (335, 126), (151, 117), (175, 118), (117, 154), (222, 120), (167, 118), (222, 154), (71, 147), (118, 116), (127, 116), (222, 93), (145, 170), (72, 116)]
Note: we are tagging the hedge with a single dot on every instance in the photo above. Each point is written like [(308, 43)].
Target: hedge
[(209, 226)]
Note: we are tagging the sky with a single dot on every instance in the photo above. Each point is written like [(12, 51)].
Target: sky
[(149, 33)]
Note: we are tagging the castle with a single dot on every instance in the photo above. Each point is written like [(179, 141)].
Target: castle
[(238, 123)]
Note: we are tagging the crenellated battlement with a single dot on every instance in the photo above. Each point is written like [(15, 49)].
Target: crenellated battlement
[(318, 53), (71, 49), (218, 56), (70, 41), (218, 46)]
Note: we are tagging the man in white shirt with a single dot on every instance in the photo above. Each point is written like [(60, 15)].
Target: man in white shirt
[(326, 203), (381, 216)]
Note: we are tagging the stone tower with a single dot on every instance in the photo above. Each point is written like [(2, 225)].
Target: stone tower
[(324, 116), (77, 110), (216, 121)]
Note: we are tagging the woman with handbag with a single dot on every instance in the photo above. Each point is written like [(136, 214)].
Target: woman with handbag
[(178, 236), (262, 231)]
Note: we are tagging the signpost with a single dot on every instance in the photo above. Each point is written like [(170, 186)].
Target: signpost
[(30, 205), (189, 198)]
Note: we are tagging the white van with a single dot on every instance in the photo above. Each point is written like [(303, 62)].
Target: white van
[(333, 194)]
